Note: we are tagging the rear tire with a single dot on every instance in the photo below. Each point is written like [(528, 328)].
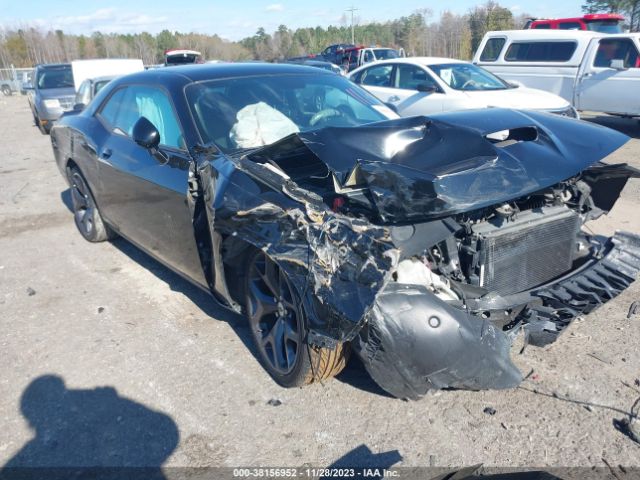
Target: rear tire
[(85, 210), (278, 328)]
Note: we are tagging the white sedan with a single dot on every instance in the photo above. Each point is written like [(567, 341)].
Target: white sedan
[(427, 85)]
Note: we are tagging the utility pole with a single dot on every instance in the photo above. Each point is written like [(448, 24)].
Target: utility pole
[(353, 36)]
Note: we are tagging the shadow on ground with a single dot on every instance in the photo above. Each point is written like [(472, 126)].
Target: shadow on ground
[(77, 431)]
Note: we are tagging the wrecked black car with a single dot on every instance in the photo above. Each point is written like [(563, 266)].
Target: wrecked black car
[(424, 245)]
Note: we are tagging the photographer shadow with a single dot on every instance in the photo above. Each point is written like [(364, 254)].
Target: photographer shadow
[(92, 433)]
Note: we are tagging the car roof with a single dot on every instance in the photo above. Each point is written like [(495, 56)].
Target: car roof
[(178, 76), (426, 61), (544, 34)]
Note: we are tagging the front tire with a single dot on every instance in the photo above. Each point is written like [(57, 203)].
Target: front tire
[(6, 90), (278, 327), (85, 211)]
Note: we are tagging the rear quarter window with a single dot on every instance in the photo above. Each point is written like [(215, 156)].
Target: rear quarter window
[(570, 26), (540, 51), (492, 49)]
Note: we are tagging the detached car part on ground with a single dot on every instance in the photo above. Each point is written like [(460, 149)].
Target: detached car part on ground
[(424, 244)]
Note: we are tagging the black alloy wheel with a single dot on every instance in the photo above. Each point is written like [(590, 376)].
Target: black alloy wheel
[(276, 321), (85, 211), (278, 327)]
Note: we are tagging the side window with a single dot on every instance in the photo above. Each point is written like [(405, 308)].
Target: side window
[(540, 51), (570, 26), (542, 26), (139, 101), (109, 111), (492, 49), (410, 76), (617, 49), (379, 76), (368, 56)]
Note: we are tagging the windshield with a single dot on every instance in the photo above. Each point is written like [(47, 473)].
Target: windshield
[(250, 112), (604, 26), (468, 77), (385, 53), (59, 77)]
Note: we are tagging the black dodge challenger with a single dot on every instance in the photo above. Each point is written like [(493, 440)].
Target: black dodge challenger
[(423, 244)]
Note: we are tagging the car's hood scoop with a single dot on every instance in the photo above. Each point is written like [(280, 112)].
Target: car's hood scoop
[(420, 167)]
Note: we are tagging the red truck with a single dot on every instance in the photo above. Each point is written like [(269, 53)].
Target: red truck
[(597, 22)]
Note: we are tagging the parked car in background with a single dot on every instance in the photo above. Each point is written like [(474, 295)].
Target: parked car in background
[(351, 58), (426, 245), (333, 52), (180, 56), (26, 80), (12, 80), (596, 22), (427, 85), (319, 64), (51, 94), (593, 71), (89, 88)]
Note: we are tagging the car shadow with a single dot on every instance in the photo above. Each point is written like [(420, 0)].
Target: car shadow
[(65, 196), (357, 376), (362, 457), (628, 126), (92, 433)]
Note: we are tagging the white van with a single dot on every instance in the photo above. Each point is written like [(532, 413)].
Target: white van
[(591, 70)]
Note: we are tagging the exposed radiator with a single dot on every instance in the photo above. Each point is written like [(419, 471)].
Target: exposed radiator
[(524, 253)]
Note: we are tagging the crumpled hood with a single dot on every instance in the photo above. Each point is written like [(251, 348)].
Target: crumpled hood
[(423, 167), (520, 98)]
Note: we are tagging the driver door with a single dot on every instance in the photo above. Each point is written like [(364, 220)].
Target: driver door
[(144, 193)]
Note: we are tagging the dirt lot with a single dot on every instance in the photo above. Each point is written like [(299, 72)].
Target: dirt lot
[(159, 374)]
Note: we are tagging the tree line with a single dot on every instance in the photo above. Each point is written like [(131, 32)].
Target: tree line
[(449, 35)]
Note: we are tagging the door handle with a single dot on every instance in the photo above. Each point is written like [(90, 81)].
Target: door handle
[(106, 153), (394, 98)]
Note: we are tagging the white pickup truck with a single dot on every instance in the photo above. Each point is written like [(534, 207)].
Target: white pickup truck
[(593, 71)]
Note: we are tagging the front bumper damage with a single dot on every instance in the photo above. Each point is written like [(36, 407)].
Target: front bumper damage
[(414, 342), (282, 199)]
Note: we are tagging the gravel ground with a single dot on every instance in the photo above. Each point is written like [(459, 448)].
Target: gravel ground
[(106, 355)]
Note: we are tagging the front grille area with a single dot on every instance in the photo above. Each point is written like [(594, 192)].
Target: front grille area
[(529, 251)]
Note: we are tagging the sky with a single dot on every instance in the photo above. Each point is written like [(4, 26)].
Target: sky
[(234, 20)]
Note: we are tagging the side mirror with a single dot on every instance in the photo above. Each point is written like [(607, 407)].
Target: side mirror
[(618, 64), (78, 107), (146, 134), (426, 88)]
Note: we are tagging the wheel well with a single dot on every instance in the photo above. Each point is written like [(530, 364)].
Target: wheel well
[(70, 163), (235, 255)]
